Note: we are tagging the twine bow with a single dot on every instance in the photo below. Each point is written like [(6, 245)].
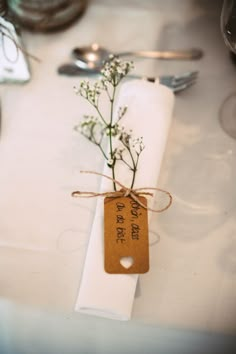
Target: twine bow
[(124, 192)]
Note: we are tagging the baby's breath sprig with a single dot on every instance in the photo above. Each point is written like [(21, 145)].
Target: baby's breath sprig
[(133, 148), (96, 128), (92, 128), (115, 70)]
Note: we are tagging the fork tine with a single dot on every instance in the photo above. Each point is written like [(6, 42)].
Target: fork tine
[(173, 81), (189, 81), (186, 76), (176, 82), (183, 86)]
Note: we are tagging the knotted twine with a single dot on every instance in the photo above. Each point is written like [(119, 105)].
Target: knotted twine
[(133, 193)]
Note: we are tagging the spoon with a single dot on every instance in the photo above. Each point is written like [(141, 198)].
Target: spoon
[(94, 56)]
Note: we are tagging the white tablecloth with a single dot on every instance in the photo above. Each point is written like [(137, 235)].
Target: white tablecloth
[(44, 232)]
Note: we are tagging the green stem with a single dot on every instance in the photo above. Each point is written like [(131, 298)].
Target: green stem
[(134, 169), (103, 152), (126, 163), (100, 115), (108, 94), (99, 144), (110, 135)]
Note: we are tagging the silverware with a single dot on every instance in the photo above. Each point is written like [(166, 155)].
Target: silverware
[(178, 82), (175, 82), (94, 56)]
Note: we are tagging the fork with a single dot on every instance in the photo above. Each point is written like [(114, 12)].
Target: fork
[(176, 83)]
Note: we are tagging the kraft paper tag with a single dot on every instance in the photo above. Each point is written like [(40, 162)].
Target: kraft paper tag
[(126, 247)]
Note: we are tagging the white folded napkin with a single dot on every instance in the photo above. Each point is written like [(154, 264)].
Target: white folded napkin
[(13, 64), (149, 114)]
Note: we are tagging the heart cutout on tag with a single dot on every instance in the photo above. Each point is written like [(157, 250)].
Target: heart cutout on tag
[(126, 262)]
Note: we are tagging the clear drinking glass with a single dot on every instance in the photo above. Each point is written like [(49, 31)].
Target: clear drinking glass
[(228, 30), (228, 24), (46, 15)]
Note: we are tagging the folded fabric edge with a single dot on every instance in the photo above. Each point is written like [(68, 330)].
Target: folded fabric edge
[(105, 313)]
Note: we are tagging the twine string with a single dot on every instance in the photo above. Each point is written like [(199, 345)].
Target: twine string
[(133, 193)]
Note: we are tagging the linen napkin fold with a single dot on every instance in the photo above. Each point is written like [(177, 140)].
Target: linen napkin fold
[(13, 64), (149, 114)]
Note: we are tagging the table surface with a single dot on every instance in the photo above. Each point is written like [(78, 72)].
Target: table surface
[(192, 281)]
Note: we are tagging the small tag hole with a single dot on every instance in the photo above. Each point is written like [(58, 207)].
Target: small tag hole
[(126, 262)]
